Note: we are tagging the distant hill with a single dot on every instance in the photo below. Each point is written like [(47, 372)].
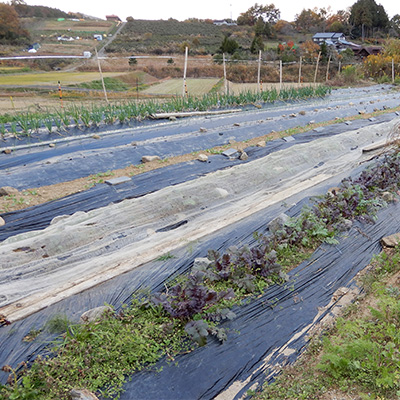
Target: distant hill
[(170, 36), (26, 11)]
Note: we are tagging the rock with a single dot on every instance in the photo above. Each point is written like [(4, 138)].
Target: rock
[(82, 394), (261, 144), (232, 141), (134, 144), (361, 112), (316, 110), (94, 314), (231, 153), (337, 118), (2, 222), (243, 156), (236, 124), (147, 159), (292, 115), (391, 241), (277, 223), (117, 181), (388, 197), (329, 108), (203, 130), (222, 192), (172, 118), (95, 136), (376, 109), (351, 104), (52, 145), (284, 115), (8, 191), (302, 112), (7, 151), (202, 157), (311, 122), (289, 139), (201, 263)]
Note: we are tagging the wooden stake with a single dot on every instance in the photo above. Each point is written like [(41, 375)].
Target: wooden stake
[(327, 69), (316, 68), (393, 70), (225, 80), (259, 72), (184, 91), (280, 75), (101, 76), (301, 60)]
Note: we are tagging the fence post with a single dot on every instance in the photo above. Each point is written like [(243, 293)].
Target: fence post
[(259, 71), (316, 67), (340, 67), (280, 75), (327, 69), (101, 76), (225, 80), (184, 90), (60, 94), (301, 60)]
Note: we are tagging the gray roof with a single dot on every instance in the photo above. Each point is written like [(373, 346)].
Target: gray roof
[(328, 35)]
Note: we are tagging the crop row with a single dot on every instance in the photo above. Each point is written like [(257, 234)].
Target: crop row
[(26, 123)]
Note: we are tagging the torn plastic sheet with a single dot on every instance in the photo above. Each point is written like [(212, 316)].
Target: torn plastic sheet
[(35, 167)]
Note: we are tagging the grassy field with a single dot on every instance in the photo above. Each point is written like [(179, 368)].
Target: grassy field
[(52, 78), (175, 86)]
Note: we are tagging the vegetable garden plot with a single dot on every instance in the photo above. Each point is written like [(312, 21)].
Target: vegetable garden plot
[(35, 167), (39, 217)]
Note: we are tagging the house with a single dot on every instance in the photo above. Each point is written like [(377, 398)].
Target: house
[(223, 22), (113, 18), (328, 37)]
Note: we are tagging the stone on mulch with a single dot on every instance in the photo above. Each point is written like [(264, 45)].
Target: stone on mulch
[(82, 394), (202, 157), (2, 222), (391, 241), (94, 314), (8, 191), (147, 159)]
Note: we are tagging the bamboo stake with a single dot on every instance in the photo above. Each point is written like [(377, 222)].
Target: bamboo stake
[(301, 60), (316, 68), (327, 69), (259, 71), (184, 91), (225, 80), (280, 75), (101, 76)]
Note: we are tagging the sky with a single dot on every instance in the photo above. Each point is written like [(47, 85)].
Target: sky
[(181, 10)]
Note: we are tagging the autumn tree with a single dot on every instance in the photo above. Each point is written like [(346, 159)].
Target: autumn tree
[(11, 30), (309, 20), (367, 16), (268, 13)]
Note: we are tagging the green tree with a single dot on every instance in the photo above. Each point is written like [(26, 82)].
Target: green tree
[(395, 24), (11, 30), (268, 13), (257, 44), (229, 45), (367, 16)]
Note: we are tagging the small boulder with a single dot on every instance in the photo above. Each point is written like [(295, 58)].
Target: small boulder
[(391, 241), (201, 263), (277, 223), (388, 197), (95, 136), (7, 151), (82, 394), (236, 124), (147, 159), (292, 115), (261, 144), (172, 118), (222, 192), (2, 222), (8, 191), (94, 314), (302, 112), (231, 153), (203, 130), (202, 157), (52, 145), (243, 156)]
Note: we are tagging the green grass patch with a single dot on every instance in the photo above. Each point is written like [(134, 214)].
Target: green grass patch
[(109, 83)]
